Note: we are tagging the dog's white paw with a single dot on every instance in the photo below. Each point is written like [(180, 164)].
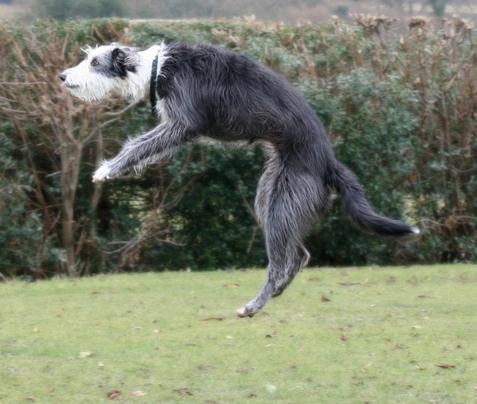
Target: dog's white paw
[(244, 312), (101, 174)]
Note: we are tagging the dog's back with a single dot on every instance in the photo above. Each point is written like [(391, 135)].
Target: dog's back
[(239, 99), (236, 97)]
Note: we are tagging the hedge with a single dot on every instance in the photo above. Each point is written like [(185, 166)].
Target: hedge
[(400, 108)]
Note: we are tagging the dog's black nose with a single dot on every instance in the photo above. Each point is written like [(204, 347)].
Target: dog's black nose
[(63, 76)]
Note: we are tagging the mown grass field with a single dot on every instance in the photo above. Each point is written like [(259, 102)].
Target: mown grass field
[(370, 335)]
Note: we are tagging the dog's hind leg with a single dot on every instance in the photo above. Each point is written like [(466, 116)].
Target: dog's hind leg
[(287, 204), (297, 258), (138, 152), (286, 256), (275, 277)]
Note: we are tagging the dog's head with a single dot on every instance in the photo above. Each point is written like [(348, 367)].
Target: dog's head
[(106, 69)]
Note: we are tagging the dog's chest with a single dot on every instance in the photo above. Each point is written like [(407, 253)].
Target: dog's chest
[(161, 110)]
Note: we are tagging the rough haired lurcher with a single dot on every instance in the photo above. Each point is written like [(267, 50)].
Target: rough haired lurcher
[(206, 91)]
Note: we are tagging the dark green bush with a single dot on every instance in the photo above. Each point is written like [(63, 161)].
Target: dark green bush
[(24, 247)]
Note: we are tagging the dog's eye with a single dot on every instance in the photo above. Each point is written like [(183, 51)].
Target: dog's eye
[(94, 63)]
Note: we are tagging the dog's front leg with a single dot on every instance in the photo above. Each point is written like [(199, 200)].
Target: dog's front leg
[(138, 152)]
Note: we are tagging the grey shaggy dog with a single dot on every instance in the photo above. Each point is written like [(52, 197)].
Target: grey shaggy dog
[(206, 91)]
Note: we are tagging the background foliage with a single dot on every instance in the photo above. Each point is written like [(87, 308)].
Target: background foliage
[(66, 9), (283, 10), (400, 109)]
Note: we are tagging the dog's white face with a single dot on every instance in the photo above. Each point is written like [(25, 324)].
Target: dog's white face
[(106, 69)]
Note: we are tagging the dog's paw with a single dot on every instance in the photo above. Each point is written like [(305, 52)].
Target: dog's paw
[(101, 174), (245, 312)]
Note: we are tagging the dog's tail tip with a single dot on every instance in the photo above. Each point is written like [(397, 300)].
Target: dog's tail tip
[(406, 230), (368, 220)]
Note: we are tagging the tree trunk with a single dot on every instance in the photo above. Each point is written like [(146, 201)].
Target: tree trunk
[(70, 162)]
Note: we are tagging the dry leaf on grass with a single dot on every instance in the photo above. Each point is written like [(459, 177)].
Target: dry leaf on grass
[(183, 392), (138, 393), (113, 395), (446, 366), (213, 318), (325, 299), (366, 281)]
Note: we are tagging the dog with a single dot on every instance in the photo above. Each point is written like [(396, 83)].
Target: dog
[(204, 91)]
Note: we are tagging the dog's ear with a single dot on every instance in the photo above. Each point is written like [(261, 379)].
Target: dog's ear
[(124, 60)]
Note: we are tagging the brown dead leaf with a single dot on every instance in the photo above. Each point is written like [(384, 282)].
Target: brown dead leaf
[(231, 285), (271, 335), (325, 299), (138, 393), (113, 395), (446, 366), (183, 392), (365, 282), (213, 318), (344, 338)]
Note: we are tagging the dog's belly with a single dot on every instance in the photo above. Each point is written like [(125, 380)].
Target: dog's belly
[(222, 135), (220, 142)]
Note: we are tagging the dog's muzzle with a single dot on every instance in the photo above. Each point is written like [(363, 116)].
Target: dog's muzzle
[(63, 77)]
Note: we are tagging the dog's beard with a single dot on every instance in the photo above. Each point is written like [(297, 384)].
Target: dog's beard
[(90, 92)]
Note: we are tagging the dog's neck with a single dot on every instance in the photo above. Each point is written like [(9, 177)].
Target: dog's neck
[(155, 55)]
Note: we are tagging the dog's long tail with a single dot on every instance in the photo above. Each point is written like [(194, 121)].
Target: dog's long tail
[(357, 207)]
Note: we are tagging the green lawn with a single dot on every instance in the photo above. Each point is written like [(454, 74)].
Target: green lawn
[(370, 335)]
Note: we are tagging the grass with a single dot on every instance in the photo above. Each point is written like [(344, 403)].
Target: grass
[(371, 335)]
